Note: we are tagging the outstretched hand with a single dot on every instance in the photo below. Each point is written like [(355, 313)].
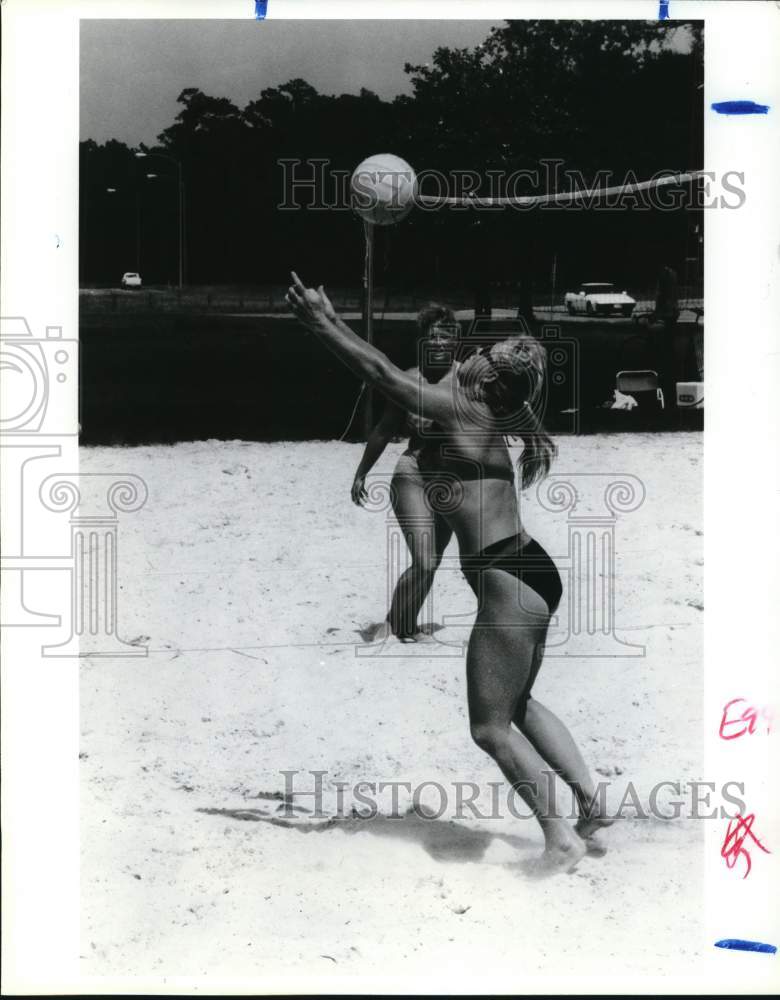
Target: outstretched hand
[(310, 305), (359, 493)]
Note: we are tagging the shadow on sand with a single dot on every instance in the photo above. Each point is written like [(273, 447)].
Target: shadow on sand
[(443, 840)]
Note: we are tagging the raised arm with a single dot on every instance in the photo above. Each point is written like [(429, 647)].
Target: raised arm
[(314, 309)]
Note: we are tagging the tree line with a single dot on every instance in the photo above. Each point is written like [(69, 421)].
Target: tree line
[(598, 96)]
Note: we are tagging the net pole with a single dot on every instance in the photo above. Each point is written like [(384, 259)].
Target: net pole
[(368, 321)]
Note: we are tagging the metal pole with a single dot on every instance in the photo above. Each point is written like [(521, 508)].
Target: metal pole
[(181, 229), (368, 321), (138, 230), (554, 275), (184, 260), (164, 156)]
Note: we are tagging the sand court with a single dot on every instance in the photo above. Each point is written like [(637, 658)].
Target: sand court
[(192, 863)]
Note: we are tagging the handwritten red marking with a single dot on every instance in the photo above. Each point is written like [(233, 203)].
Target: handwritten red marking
[(747, 720), (738, 830)]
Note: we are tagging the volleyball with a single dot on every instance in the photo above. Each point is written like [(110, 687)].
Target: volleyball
[(384, 188)]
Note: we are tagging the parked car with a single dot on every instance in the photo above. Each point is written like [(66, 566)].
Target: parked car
[(131, 279), (599, 299)]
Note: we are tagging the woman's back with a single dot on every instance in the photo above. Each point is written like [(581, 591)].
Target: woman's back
[(470, 481)]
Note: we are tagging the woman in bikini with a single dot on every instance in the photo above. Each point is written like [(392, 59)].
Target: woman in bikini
[(426, 532), (516, 583)]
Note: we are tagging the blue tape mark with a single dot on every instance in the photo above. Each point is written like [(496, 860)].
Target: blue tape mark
[(663, 10), (261, 9), (739, 945), (740, 108)]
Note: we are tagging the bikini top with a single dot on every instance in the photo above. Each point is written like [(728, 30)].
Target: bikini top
[(434, 459), (417, 428)]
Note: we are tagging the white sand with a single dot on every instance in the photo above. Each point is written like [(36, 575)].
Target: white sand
[(249, 571)]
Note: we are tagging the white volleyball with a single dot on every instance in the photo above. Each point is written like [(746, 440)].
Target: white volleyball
[(383, 189)]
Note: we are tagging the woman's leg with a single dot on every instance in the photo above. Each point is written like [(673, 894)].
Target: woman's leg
[(510, 624), (551, 738), (427, 535), (442, 533)]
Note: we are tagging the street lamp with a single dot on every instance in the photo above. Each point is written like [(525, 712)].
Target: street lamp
[(113, 190), (164, 156)]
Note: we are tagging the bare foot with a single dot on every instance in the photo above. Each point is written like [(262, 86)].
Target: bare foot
[(594, 848), (557, 860), (586, 826), (416, 637)]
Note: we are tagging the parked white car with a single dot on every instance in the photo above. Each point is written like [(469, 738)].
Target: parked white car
[(599, 299), (131, 279)]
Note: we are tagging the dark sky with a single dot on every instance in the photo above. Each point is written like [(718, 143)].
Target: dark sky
[(132, 71)]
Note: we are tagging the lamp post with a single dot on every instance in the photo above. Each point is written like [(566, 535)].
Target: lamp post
[(164, 156), (114, 190)]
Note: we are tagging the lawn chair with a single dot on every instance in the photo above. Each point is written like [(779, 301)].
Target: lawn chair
[(645, 380)]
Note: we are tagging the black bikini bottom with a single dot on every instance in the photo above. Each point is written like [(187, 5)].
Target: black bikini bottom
[(533, 566), (529, 563)]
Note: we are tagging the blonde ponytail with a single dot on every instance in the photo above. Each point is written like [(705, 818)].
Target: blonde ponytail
[(513, 391), (539, 449)]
